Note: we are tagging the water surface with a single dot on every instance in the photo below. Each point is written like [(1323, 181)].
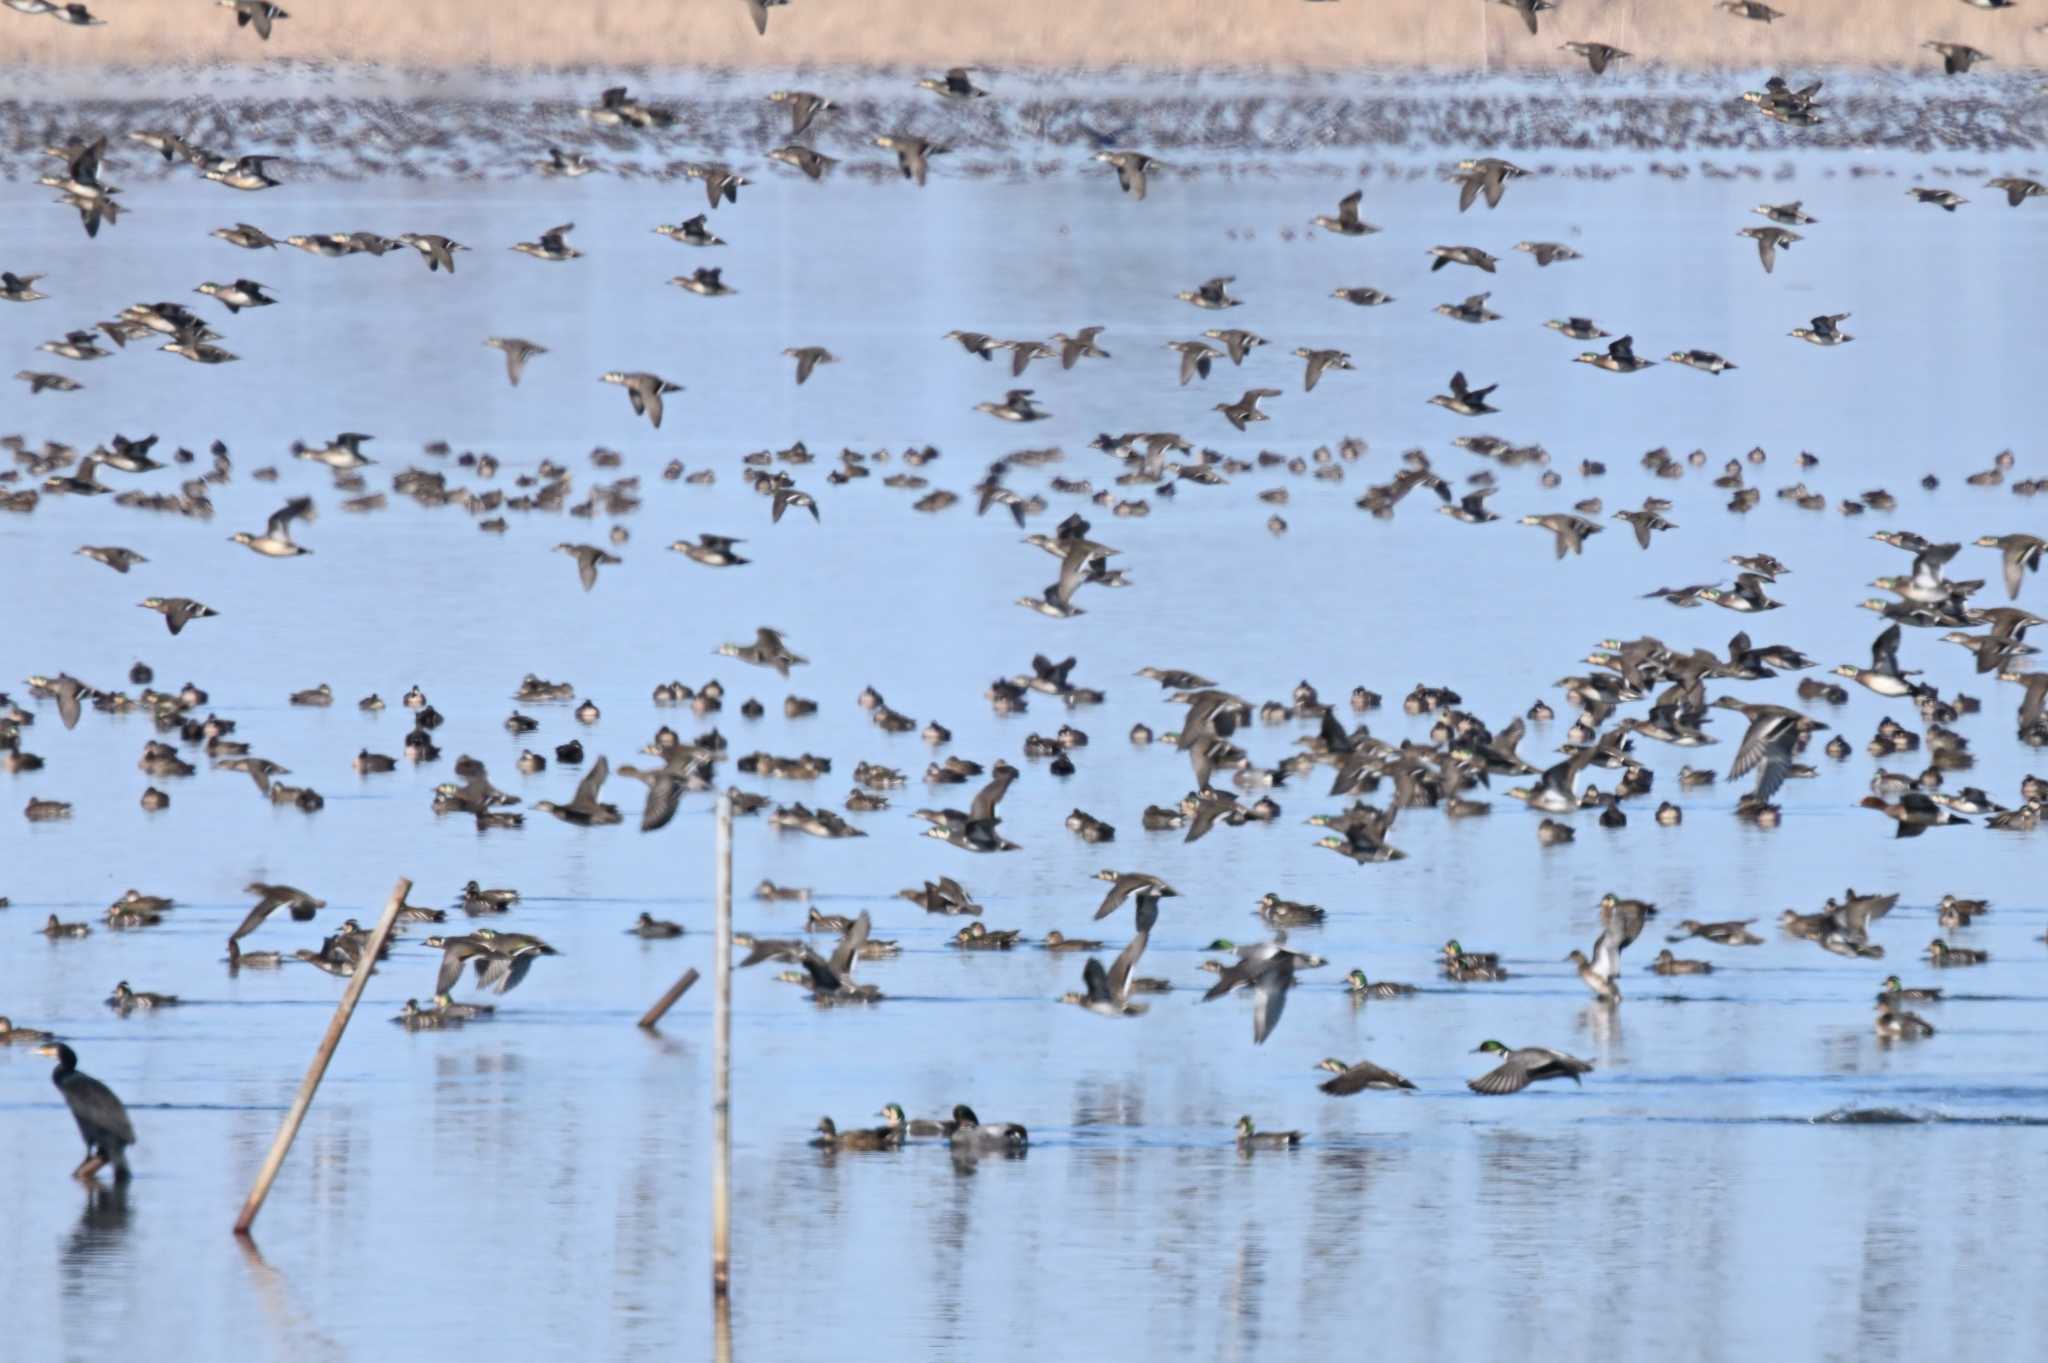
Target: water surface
[(538, 1185)]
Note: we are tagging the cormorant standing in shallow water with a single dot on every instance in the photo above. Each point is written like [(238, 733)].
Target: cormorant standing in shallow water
[(102, 1121)]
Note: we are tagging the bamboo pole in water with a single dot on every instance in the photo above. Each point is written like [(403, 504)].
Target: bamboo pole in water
[(667, 1001), (293, 1118), (721, 1064)]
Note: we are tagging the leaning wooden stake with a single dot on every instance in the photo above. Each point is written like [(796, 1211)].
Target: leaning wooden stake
[(667, 1001), (285, 1134), (721, 1064)]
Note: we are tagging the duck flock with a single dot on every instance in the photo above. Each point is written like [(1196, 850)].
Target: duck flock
[(1361, 791)]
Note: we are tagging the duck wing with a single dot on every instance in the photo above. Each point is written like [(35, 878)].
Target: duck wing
[(1096, 981), (983, 808), (1508, 1077), (592, 782), (1119, 976), (848, 950), (1270, 995), (279, 526)]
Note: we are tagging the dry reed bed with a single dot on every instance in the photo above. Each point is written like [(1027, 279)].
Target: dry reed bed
[(1043, 33)]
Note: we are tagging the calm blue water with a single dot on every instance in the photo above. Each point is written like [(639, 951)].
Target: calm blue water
[(548, 1170)]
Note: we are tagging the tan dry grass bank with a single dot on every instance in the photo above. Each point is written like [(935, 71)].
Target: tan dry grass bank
[(1055, 33)]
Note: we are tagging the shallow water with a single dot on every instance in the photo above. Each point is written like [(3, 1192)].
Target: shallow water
[(1731, 1181)]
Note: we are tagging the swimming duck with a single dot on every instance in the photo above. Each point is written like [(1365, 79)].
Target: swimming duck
[(1288, 914), (1942, 954), (1249, 1138), (126, 1000), (915, 1126), (979, 937), (55, 929), (1357, 985), (651, 927), (11, 1035), (970, 1136), (830, 1137), (1895, 991), (1520, 1067), (1894, 1025)]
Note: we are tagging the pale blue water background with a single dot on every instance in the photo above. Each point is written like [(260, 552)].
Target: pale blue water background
[(537, 1186)]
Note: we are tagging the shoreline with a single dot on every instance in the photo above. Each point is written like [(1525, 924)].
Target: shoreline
[(999, 34), (352, 122)]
